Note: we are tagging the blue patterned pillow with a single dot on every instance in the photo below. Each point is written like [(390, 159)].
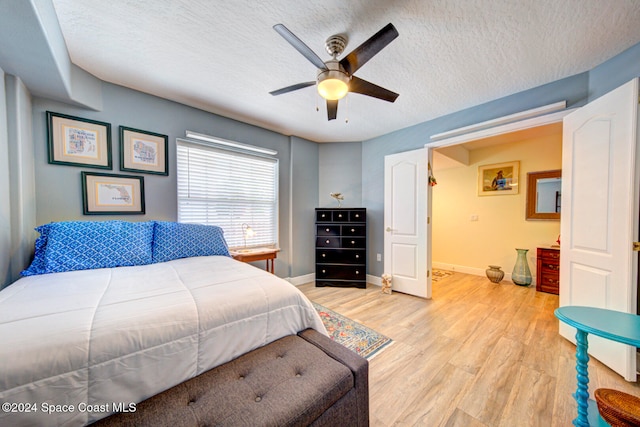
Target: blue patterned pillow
[(83, 245), (173, 240), (37, 265)]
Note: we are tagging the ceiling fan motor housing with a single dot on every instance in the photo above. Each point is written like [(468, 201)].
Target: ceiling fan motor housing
[(333, 83), (335, 45)]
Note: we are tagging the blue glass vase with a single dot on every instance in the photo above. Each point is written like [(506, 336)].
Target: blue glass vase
[(521, 274)]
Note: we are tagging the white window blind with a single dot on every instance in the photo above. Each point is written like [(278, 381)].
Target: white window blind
[(229, 189)]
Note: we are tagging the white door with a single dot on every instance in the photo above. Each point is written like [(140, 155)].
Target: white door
[(599, 219), (405, 222)]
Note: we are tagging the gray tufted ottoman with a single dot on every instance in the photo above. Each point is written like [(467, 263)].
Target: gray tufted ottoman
[(298, 380)]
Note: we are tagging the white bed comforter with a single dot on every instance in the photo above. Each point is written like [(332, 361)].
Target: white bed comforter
[(77, 346)]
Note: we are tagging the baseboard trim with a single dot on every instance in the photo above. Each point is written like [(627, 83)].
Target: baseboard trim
[(374, 280), (301, 280), (475, 271)]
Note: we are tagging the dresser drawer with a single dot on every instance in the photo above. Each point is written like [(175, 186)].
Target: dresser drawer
[(341, 256), (354, 230), (324, 216), (357, 216), (327, 242), (347, 272), (354, 242), (550, 255), (549, 267), (327, 230), (549, 284), (340, 216)]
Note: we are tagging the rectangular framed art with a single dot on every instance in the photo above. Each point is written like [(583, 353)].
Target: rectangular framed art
[(143, 151), (74, 141), (109, 194), (498, 179)]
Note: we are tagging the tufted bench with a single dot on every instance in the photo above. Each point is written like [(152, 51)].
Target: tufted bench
[(298, 380)]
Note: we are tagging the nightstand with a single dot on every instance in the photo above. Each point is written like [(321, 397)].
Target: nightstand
[(257, 254), (548, 270)]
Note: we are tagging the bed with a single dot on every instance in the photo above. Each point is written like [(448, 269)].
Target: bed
[(81, 343)]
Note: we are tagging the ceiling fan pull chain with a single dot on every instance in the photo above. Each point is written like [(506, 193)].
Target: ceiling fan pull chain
[(317, 96), (346, 100)]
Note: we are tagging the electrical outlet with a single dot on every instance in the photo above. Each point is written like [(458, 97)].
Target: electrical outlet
[(473, 217), (379, 257)]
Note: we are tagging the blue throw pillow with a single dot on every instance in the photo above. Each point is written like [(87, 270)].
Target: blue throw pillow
[(173, 240), (37, 265), (83, 245)]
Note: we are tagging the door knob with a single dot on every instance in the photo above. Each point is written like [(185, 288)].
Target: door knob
[(389, 229)]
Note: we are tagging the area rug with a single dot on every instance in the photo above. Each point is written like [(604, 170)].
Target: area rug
[(440, 274), (351, 334)]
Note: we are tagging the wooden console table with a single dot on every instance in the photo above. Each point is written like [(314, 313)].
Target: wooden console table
[(259, 254), (609, 324)]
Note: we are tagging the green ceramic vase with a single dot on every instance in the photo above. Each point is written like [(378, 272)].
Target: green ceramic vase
[(521, 274)]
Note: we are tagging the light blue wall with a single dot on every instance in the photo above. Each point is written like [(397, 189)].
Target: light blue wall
[(5, 208), (304, 196), (58, 190), (614, 72), (21, 174), (340, 169), (17, 190)]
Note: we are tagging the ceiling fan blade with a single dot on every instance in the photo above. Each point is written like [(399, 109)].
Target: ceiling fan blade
[(292, 88), (357, 85), (367, 50), (332, 109), (300, 46)]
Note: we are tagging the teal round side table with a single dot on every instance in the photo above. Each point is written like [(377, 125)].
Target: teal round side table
[(609, 324)]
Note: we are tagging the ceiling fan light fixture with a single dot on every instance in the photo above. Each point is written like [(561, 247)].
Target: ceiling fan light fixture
[(333, 83)]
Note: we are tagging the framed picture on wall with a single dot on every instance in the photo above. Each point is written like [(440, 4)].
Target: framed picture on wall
[(109, 194), (74, 141), (143, 151), (498, 179)]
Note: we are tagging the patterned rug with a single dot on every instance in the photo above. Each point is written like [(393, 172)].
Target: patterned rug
[(351, 334), (440, 274)]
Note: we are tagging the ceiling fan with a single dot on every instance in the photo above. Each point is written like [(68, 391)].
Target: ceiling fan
[(335, 77)]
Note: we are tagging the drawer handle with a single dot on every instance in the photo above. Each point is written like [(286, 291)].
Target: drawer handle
[(353, 230), (324, 271), (323, 215), (357, 272), (353, 242), (357, 256), (339, 215), (357, 215), (327, 242), (324, 255), (326, 229)]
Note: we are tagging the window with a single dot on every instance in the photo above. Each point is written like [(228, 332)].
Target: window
[(230, 189)]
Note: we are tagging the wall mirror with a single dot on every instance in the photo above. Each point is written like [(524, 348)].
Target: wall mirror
[(544, 194)]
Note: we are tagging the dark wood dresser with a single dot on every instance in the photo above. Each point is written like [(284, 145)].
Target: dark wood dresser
[(548, 270), (341, 247)]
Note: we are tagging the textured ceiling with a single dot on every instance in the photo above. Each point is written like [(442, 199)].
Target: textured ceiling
[(224, 56)]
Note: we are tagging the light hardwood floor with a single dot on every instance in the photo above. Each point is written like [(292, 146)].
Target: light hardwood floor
[(476, 354)]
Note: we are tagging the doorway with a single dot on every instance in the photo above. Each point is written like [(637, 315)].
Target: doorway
[(490, 225)]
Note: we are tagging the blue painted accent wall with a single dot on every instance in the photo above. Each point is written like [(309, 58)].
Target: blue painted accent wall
[(340, 168), (304, 196), (614, 72), (5, 193), (58, 189)]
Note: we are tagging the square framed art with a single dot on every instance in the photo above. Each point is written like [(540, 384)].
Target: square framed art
[(143, 151), (498, 179), (75, 141), (108, 194)]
